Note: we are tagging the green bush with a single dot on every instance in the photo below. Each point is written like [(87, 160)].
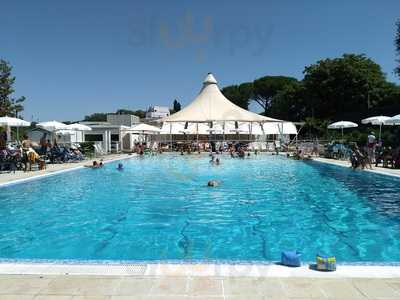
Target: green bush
[(87, 148)]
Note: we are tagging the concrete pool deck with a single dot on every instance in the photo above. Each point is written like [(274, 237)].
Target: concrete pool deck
[(24, 280), (345, 163), (35, 287)]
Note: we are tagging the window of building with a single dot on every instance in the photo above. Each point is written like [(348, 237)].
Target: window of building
[(93, 137)]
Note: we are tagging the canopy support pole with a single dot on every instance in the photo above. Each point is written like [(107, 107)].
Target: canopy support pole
[(170, 135), (223, 132), (197, 136), (265, 138), (250, 131)]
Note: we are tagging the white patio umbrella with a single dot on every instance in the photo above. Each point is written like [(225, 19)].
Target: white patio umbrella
[(78, 127), (341, 125), (377, 120), (52, 126), (393, 120), (145, 128), (14, 122)]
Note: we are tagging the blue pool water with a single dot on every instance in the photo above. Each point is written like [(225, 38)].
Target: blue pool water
[(159, 208)]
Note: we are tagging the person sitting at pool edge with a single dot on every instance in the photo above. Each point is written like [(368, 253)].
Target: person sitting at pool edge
[(95, 165), (212, 159)]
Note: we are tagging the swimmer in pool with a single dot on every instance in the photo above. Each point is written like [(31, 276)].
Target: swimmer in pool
[(213, 183), (94, 165)]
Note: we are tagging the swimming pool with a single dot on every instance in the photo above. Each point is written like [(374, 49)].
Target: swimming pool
[(159, 208)]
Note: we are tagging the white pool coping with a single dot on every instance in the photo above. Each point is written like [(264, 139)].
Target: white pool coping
[(196, 270)]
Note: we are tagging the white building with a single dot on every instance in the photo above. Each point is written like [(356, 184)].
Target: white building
[(157, 112), (125, 120), (115, 135)]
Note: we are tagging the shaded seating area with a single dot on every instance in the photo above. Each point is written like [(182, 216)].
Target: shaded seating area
[(17, 158), (387, 157)]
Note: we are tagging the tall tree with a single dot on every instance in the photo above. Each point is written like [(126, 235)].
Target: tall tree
[(289, 104), (397, 44), (8, 105), (343, 88), (176, 106), (265, 88), (239, 94)]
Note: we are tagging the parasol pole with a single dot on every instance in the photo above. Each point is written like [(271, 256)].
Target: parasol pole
[(170, 135), (342, 135)]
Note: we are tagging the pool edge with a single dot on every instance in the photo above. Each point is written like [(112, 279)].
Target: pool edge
[(345, 164), (197, 270)]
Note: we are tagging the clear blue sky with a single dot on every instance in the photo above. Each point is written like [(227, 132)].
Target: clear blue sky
[(73, 58)]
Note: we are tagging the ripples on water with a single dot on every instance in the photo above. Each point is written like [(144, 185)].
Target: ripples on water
[(160, 208)]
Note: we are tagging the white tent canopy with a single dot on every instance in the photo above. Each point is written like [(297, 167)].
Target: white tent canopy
[(211, 105), (179, 128), (273, 128), (280, 128)]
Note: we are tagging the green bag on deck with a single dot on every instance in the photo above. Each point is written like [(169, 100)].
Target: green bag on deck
[(326, 263)]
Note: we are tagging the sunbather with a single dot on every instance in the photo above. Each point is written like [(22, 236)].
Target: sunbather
[(30, 158)]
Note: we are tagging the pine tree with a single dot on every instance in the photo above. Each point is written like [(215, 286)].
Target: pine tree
[(8, 105)]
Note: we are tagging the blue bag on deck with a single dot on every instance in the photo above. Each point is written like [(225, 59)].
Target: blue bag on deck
[(291, 258)]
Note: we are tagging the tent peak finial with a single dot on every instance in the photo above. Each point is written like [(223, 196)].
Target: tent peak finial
[(210, 79)]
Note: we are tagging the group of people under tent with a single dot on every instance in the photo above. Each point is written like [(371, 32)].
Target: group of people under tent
[(192, 147), (26, 154)]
